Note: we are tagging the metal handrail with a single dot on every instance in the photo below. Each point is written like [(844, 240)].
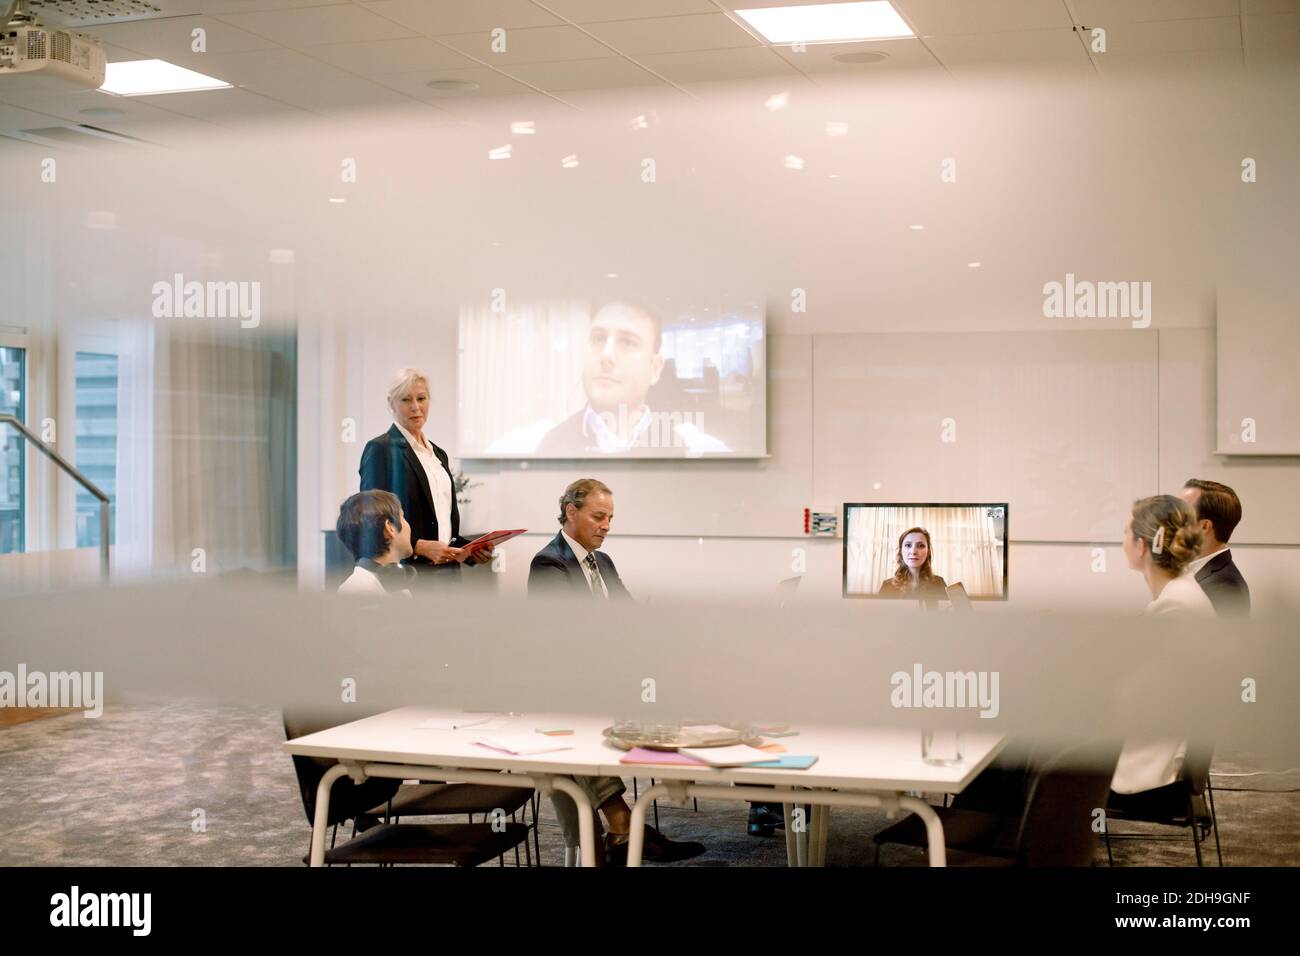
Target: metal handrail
[(81, 479)]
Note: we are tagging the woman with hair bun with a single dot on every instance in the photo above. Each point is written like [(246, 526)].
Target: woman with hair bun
[(1161, 538)]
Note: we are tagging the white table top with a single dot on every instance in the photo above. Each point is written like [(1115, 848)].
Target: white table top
[(882, 759)]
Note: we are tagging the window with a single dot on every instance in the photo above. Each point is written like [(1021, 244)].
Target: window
[(13, 378), (96, 397)]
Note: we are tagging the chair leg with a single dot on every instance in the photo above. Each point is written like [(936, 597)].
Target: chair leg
[(537, 844), (655, 804), (1214, 819), (1196, 837), (696, 800), (1110, 860)]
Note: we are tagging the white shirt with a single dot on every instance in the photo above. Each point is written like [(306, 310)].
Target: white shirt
[(1199, 563), (439, 482), (1182, 597), (581, 553), (1148, 764), (363, 581)]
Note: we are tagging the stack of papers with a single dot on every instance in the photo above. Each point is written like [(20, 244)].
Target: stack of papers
[(522, 744), (741, 755), (662, 758)]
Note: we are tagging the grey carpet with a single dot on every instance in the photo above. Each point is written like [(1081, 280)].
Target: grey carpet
[(122, 790)]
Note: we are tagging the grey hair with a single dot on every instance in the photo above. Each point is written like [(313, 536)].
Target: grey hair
[(402, 382), (576, 493)]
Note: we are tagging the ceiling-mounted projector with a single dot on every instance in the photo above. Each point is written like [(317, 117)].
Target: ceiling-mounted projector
[(38, 59)]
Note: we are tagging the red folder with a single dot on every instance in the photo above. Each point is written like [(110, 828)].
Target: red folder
[(492, 537)]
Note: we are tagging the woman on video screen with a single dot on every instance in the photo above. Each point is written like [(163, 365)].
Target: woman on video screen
[(914, 579)]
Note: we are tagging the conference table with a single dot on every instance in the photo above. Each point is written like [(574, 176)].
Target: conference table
[(856, 767)]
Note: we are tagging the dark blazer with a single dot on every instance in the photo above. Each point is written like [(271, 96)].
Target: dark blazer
[(388, 463), (1224, 586), (555, 571)]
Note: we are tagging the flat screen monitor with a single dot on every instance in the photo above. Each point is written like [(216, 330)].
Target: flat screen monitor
[(613, 379), (917, 551)]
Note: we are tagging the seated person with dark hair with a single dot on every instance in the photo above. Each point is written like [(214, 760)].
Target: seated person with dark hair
[(371, 525), (914, 579), (1218, 511)]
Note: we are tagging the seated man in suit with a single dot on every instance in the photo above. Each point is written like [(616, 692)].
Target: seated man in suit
[(1218, 510), (373, 528), (571, 565)]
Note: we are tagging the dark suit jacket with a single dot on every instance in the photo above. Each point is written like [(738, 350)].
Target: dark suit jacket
[(1224, 586), (555, 571), (388, 463)]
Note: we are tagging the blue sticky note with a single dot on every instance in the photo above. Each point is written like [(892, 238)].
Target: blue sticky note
[(786, 762)]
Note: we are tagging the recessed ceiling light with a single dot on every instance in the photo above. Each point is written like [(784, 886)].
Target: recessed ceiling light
[(337, 199), (793, 162), (152, 77), (827, 22), (523, 128), (452, 87), (973, 265), (834, 128), (916, 227), (611, 275), (778, 102), (860, 57), (501, 152)]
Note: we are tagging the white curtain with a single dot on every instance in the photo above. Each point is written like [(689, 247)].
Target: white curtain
[(967, 546), (193, 449), (520, 373)]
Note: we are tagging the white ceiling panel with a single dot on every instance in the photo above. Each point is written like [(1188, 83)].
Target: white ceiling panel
[(347, 23), (1173, 36), (491, 83), (1102, 13), (70, 105), (709, 31), (1271, 38), (707, 66), (391, 56), (445, 17), (1268, 7), (819, 57), (217, 7), (1056, 49), (944, 17), (530, 45), (1132, 64), (171, 39), (224, 106), (584, 74), (598, 11)]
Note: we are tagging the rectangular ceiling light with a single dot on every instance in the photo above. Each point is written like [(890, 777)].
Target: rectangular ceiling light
[(828, 22), (148, 77)]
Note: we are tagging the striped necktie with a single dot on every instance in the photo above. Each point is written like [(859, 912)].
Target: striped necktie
[(597, 590)]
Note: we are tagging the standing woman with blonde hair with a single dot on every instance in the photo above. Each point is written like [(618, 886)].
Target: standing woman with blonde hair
[(404, 462)]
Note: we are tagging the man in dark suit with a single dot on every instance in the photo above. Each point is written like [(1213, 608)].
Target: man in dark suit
[(571, 566), (1218, 509)]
